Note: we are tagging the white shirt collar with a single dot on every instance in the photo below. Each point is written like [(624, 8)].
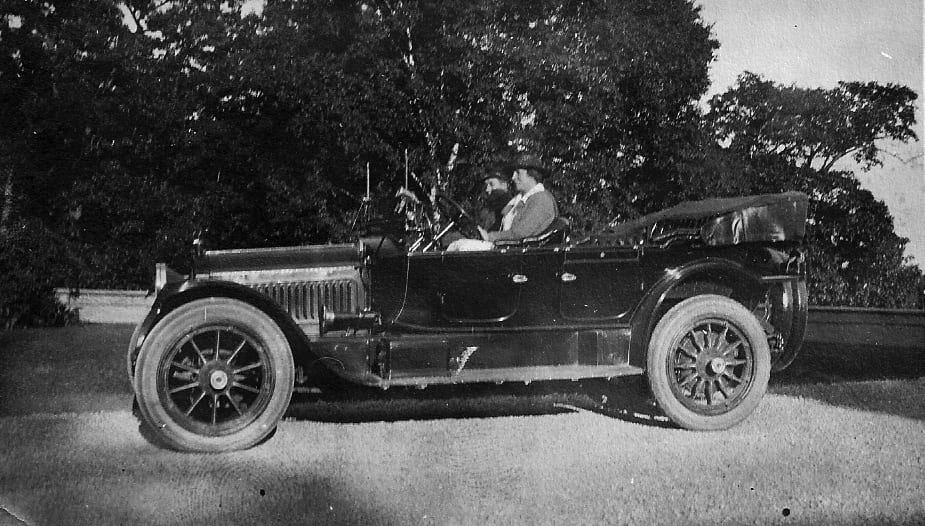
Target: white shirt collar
[(537, 188)]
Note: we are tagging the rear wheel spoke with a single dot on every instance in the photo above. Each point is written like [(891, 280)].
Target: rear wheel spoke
[(699, 344), (729, 348), (711, 338), (687, 380), (688, 348), (709, 391), (734, 378), (697, 383)]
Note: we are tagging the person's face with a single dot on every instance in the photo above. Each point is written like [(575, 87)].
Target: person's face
[(522, 180), (494, 183)]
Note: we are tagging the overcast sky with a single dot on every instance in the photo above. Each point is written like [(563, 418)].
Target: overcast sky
[(816, 43)]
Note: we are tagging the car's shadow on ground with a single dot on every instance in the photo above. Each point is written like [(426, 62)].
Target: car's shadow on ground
[(626, 398)]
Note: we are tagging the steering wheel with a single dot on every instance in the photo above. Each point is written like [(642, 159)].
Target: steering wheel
[(427, 223), (444, 216), (456, 207)]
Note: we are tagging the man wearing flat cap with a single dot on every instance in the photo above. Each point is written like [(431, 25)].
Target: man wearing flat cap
[(495, 197), (527, 214)]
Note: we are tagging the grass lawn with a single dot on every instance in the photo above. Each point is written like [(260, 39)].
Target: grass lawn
[(66, 369)]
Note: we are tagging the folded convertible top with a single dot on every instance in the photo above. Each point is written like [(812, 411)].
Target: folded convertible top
[(721, 221)]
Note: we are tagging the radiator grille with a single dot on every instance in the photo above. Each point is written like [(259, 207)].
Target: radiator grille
[(303, 300)]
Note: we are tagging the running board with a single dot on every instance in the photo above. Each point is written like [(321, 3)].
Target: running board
[(515, 374)]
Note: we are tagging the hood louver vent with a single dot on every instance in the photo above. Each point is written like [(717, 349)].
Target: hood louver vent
[(303, 300)]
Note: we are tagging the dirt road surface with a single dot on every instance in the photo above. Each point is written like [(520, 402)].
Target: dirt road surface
[(833, 443)]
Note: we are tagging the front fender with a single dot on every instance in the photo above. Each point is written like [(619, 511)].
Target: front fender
[(709, 274), (174, 295)]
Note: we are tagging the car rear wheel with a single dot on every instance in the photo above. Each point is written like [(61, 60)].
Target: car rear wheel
[(214, 375), (708, 363)]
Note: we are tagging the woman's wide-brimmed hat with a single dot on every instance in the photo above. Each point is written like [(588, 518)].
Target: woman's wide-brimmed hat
[(530, 160)]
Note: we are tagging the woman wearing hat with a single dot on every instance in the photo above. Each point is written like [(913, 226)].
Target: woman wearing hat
[(527, 214)]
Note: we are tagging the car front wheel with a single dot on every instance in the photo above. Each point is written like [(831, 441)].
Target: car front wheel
[(708, 363), (213, 375)]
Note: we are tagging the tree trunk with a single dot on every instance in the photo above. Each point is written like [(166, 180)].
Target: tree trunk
[(7, 202)]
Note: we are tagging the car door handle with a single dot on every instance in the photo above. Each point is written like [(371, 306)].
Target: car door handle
[(519, 278), (568, 276)]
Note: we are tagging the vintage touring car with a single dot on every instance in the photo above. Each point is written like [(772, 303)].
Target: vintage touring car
[(705, 299)]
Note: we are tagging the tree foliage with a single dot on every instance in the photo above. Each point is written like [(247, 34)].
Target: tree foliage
[(856, 258), (773, 138), (813, 127), (130, 126)]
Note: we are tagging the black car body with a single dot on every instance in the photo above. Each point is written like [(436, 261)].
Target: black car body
[(706, 298)]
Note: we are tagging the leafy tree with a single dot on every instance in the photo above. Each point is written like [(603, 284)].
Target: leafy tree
[(313, 89), (813, 127), (56, 62), (49, 68), (774, 138), (605, 91), (121, 141)]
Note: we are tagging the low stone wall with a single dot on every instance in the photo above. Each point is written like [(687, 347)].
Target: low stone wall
[(849, 326), (107, 306)]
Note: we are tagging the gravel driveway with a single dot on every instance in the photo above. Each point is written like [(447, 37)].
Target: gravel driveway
[(845, 452)]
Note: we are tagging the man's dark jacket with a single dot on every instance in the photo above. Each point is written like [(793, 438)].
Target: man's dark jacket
[(490, 212)]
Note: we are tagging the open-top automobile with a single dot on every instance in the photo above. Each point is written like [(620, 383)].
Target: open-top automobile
[(705, 299)]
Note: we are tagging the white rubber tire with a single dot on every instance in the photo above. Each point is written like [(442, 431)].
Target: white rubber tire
[(690, 410), (163, 424)]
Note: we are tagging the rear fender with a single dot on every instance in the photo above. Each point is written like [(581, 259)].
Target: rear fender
[(707, 276)]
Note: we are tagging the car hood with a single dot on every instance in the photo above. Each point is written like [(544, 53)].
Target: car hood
[(279, 258)]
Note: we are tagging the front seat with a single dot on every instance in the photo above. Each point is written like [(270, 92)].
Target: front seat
[(555, 234)]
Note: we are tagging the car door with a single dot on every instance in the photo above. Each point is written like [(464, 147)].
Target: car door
[(541, 267), (480, 289), (406, 288), (599, 283)]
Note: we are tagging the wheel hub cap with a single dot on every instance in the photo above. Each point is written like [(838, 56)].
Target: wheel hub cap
[(717, 365), (218, 380)]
